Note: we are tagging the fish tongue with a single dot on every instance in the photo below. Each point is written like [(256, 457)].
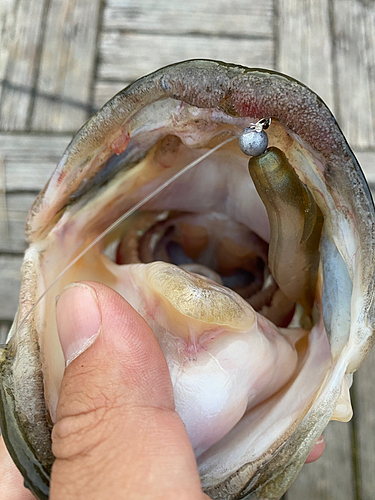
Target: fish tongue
[(223, 357)]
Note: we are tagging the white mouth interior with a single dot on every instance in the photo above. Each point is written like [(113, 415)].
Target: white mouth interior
[(240, 382)]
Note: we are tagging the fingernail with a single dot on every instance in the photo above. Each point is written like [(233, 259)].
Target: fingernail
[(78, 319)]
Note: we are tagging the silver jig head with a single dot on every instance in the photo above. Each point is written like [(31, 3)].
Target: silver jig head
[(254, 141)]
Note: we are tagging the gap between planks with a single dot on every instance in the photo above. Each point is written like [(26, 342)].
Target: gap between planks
[(46, 63), (330, 46), (249, 18)]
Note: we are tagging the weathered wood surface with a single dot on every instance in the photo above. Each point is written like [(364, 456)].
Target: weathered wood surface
[(26, 163), (138, 38), (354, 36), (10, 285), (47, 61), (66, 68), (30, 159), (61, 58), (332, 476), (19, 46), (364, 421), (126, 56), (215, 17), (301, 53), (104, 90)]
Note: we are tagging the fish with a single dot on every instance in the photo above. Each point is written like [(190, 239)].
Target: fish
[(256, 273)]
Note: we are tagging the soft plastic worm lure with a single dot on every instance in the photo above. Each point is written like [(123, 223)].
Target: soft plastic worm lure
[(295, 219)]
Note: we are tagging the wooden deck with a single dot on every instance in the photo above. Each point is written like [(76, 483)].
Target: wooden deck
[(62, 59)]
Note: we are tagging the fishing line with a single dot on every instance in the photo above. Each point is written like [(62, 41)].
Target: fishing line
[(121, 219)]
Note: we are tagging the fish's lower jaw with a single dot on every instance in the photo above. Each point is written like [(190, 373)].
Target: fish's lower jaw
[(223, 357)]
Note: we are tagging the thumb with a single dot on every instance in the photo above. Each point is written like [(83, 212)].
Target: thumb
[(117, 434)]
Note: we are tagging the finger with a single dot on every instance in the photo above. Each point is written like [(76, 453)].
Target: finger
[(11, 480), (117, 434), (317, 451)]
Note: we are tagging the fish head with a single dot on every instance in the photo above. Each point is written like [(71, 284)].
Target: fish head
[(257, 277)]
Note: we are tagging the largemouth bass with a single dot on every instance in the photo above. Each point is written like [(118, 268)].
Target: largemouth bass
[(256, 273)]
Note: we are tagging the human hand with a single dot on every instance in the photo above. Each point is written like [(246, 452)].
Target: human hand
[(117, 434)]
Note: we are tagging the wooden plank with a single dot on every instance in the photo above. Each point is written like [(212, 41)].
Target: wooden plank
[(65, 75), (354, 23), (104, 91), (9, 285), (127, 56), (219, 17), (364, 390), (18, 206), (367, 161), (304, 49), (20, 22), (4, 222), (30, 159), (4, 329), (330, 477)]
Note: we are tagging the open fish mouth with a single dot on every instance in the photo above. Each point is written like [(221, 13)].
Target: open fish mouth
[(255, 274)]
